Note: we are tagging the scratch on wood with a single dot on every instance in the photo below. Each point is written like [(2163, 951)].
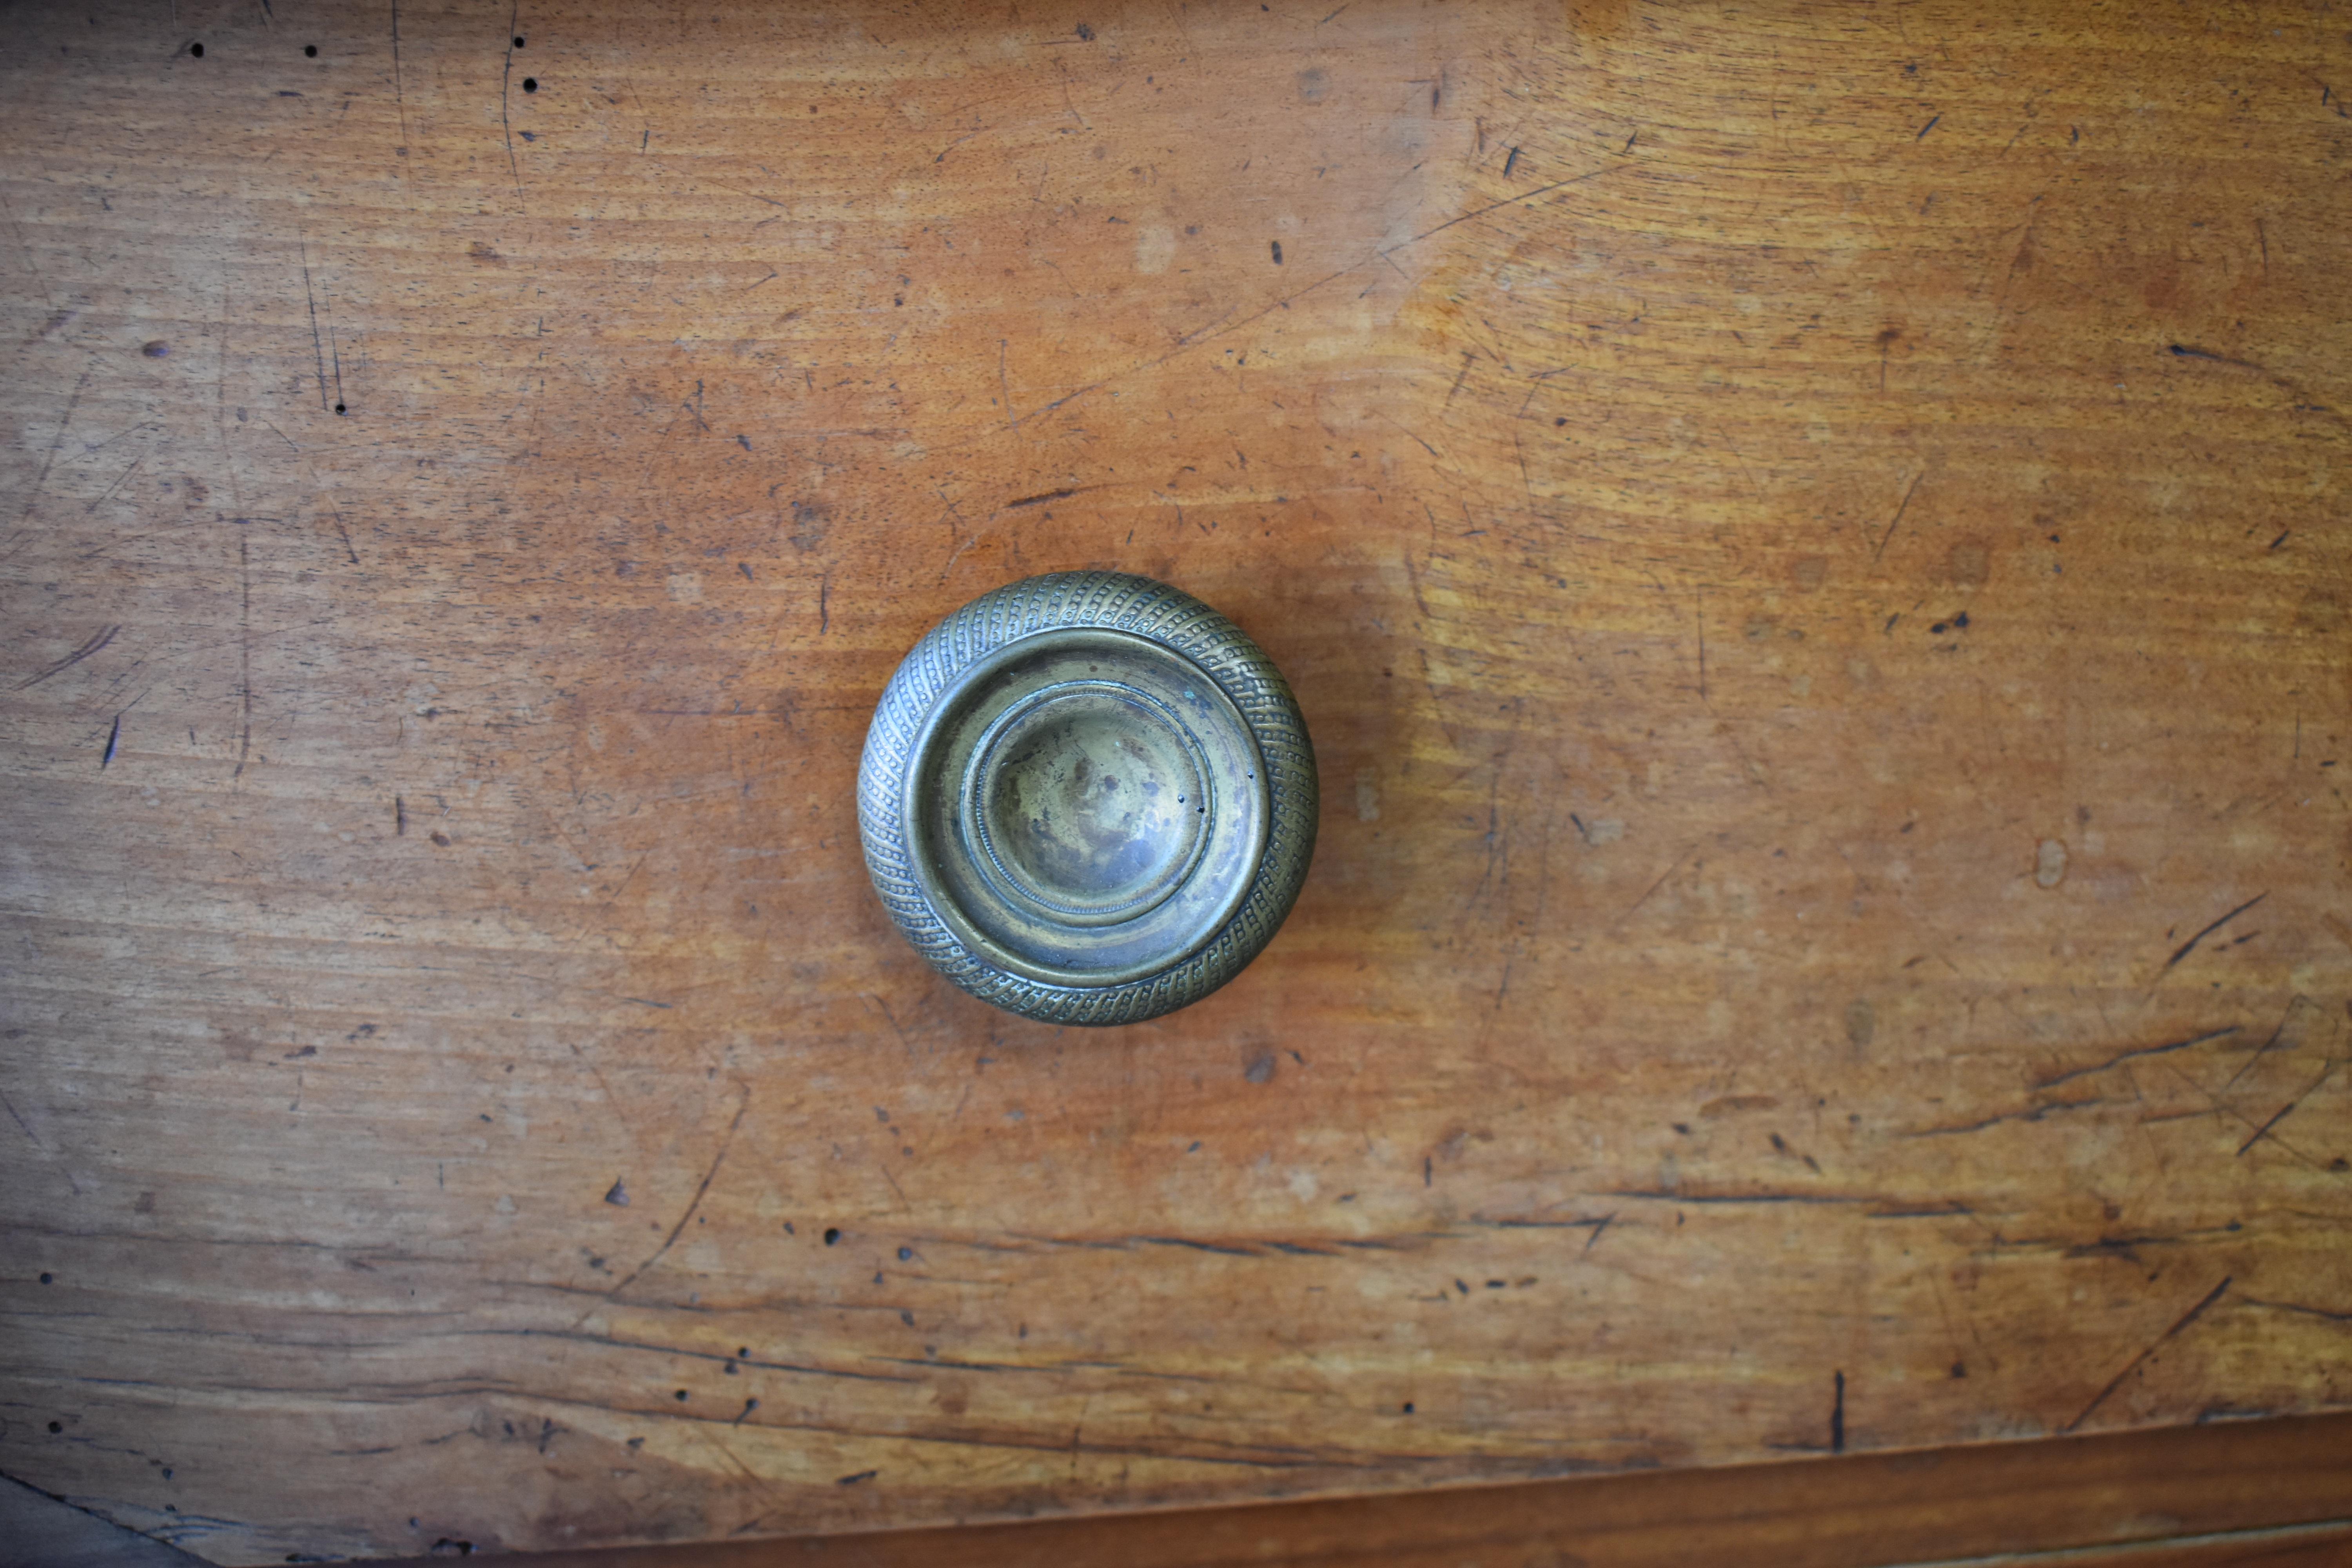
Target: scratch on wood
[(2186, 1319), (345, 534), (139, 462), (1662, 1195), (513, 13), (2036, 1113), (2182, 351), (2320, 1313), (1649, 891), (709, 1175), (2185, 948), (1900, 508), (1490, 207), (1702, 645), (57, 318), (65, 420), (20, 1121), (2280, 1115), (2299, 1004), (399, 92), (690, 1353), (317, 344), (244, 653), (2135, 1054), (98, 640)]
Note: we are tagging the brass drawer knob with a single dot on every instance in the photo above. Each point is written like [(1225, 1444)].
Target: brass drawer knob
[(1088, 797)]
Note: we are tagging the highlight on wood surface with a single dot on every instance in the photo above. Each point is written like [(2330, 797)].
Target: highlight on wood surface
[(1810, 536)]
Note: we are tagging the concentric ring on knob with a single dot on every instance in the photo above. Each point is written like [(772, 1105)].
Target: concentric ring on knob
[(1088, 797), (1089, 802)]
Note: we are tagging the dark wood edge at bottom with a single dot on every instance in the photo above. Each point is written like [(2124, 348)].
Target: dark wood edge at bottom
[(2277, 1492)]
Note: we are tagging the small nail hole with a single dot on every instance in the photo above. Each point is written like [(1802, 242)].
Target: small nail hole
[(831, 1235), (196, 51), (339, 409), (530, 84), (312, 50), (517, 43), (57, 1425)]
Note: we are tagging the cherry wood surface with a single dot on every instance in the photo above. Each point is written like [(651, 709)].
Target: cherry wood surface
[(1810, 539)]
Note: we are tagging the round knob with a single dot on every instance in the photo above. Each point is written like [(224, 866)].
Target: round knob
[(1088, 798)]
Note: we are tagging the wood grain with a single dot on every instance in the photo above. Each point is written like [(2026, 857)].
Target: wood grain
[(1811, 541)]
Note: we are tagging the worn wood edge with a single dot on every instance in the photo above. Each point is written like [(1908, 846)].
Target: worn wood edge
[(41, 1530), (2171, 1495), (2325, 1545)]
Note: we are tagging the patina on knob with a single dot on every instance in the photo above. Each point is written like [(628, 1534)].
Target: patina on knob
[(1088, 797)]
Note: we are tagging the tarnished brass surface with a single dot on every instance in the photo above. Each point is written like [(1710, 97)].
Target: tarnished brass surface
[(1088, 797)]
